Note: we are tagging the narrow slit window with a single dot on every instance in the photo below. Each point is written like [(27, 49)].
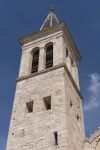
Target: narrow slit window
[(29, 106), (71, 103), (66, 52), (56, 137), (47, 102), (35, 61), (78, 117), (49, 56)]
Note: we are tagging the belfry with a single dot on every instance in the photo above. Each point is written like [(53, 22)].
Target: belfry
[(47, 110)]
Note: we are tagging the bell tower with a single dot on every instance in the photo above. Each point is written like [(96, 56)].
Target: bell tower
[(47, 110)]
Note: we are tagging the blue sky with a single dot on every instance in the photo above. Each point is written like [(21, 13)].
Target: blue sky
[(21, 17)]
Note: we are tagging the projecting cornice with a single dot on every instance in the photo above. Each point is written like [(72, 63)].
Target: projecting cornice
[(43, 33), (51, 69)]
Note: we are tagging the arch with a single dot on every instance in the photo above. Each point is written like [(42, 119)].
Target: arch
[(49, 54), (34, 49), (35, 59), (48, 44)]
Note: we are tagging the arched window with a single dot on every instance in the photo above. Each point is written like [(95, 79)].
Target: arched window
[(35, 60), (49, 55)]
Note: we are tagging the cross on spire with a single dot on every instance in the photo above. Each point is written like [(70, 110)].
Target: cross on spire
[(52, 8)]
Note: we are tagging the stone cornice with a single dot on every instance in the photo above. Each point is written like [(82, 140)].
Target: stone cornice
[(51, 69), (39, 34), (46, 39), (43, 33)]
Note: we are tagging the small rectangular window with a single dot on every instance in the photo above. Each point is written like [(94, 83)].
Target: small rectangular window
[(47, 102), (29, 106), (56, 137)]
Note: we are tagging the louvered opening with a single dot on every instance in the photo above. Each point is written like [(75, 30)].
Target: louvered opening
[(49, 56), (35, 61)]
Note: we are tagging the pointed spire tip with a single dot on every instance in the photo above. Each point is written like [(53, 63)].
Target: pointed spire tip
[(52, 8)]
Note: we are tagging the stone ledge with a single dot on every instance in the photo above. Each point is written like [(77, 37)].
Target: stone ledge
[(51, 69)]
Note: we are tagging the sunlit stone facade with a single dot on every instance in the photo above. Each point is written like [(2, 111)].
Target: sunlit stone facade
[(47, 111)]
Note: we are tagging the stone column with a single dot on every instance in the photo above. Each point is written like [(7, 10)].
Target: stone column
[(58, 51), (42, 59), (74, 72), (68, 62), (77, 76), (25, 65), (30, 58)]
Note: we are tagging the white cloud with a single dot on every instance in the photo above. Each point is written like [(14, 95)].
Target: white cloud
[(94, 92)]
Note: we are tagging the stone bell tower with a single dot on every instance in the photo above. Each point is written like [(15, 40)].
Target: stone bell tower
[(47, 110)]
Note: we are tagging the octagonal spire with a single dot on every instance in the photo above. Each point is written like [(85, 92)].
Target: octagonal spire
[(51, 20)]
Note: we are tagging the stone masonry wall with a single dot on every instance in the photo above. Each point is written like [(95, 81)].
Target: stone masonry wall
[(36, 130), (74, 114)]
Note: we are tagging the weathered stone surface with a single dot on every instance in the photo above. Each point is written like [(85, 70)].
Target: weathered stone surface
[(34, 128), (37, 129)]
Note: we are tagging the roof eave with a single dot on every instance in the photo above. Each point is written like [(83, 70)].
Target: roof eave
[(39, 34), (42, 33)]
